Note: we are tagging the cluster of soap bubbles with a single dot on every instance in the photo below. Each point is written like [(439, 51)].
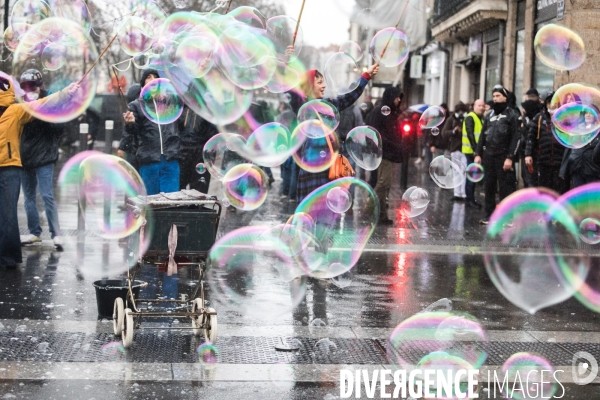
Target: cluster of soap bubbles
[(532, 277), (101, 182), (414, 201)]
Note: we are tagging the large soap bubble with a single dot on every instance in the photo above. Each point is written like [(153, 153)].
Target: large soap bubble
[(281, 31), (529, 369), (432, 117), (28, 12), (341, 73), (319, 111), (572, 141), (316, 154), (241, 282), (78, 52), (287, 76), (246, 186), (364, 145), (250, 16), (389, 47), (446, 172), (534, 274), (414, 202), (576, 119), (580, 93), (135, 35), (352, 49), (219, 158), (160, 102), (559, 48)]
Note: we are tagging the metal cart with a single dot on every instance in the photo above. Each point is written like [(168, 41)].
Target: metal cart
[(196, 217)]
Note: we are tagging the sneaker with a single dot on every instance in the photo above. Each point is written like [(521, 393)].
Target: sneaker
[(484, 221), (30, 240), (58, 243)]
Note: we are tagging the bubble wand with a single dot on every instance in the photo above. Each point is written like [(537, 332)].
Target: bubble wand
[(395, 28), (228, 6), (298, 22), (98, 59)]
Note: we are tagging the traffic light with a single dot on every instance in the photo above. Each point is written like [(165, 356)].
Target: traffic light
[(406, 128)]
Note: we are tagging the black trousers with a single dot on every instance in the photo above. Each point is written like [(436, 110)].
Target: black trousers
[(470, 186), (496, 177), (548, 178), (187, 170)]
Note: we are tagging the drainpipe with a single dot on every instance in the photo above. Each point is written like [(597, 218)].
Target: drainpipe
[(502, 32), (447, 77)]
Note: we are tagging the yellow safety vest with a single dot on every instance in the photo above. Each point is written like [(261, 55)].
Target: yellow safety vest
[(466, 144)]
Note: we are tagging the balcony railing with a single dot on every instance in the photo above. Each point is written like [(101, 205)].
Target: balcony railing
[(446, 8)]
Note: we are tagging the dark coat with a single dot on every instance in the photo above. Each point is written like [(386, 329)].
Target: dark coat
[(388, 126), (128, 142), (581, 161), (40, 141), (194, 131), (541, 143), (149, 135), (452, 138), (500, 135)]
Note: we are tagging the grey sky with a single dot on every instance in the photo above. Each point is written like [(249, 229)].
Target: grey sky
[(323, 22)]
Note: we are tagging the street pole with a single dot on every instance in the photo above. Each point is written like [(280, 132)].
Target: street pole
[(108, 128), (84, 129)]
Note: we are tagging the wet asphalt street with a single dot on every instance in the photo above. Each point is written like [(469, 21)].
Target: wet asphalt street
[(403, 269)]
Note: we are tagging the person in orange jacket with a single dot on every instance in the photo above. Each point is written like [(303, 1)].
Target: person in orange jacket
[(13, 118)]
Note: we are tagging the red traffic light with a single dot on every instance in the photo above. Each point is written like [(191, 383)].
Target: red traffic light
[(406, 128)]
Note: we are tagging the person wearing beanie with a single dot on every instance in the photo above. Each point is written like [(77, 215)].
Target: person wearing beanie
[(157, 150), (532, 94), (498, 148), (543, 151)]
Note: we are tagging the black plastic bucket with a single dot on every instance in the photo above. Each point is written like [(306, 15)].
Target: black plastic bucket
[(107, 290)]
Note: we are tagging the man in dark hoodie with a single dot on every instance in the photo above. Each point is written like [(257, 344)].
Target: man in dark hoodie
[(500, 140), (158, 146), (387, 125), (39, 152), (543, 151)]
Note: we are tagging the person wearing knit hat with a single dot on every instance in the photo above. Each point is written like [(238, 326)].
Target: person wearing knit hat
[(498, 147)]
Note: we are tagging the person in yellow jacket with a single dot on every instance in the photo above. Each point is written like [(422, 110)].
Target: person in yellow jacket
[(471, 130), (13, 117)]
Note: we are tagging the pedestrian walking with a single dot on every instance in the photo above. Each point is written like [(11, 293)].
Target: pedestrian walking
[(498, 146), (158, 149), (40, 141), (388, 127)]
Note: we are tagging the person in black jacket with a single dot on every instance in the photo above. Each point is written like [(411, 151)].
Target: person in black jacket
[(158, 146), (529, 172), (543, 151), (500, 140), (387, 125), (194, 132), (39, 152), (128, 143)]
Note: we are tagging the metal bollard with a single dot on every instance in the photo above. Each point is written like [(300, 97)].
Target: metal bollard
[(84, 130), (108, 128)]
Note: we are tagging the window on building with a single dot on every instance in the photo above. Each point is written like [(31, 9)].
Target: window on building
[(543, 76), (492, 68), (519, 64)]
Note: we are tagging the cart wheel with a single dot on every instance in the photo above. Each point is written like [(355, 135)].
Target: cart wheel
[(196, 319), (128, 329), (118, 316), (210, 326)]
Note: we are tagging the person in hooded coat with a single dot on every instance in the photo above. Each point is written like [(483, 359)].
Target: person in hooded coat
[(158, 148), (12, 121), (388, 126)]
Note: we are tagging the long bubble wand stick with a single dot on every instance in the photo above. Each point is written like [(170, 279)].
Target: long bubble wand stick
[(396, 27), (298, 22), (228, 6), (98, 59)]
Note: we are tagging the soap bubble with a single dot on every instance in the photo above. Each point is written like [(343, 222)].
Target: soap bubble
[(114, 351), (54, 56), (200, 168), (326, 346), (208, 355), (194, 54), (559, 47), (341, 73), (529, 369), (395, 44), (218, 158), (338, 200), (281, 31), (572, 141), (10, 39), (580, 93), (576, 119), (77, 53), (589, 230), (385, 110), (352, 49), (319, 111), (364, 107), (364, 145), (240, 281), (28, 12), (456, 334), (246, 186), (435, 131), (414, 201), (474, 172), (316, 154), (432, 117), (135, 35), (536, 274), (286, 77), (335, 248), (249, 16), (73, 10), (317, 322), (344, 280), (159, 102), (446, 172)]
